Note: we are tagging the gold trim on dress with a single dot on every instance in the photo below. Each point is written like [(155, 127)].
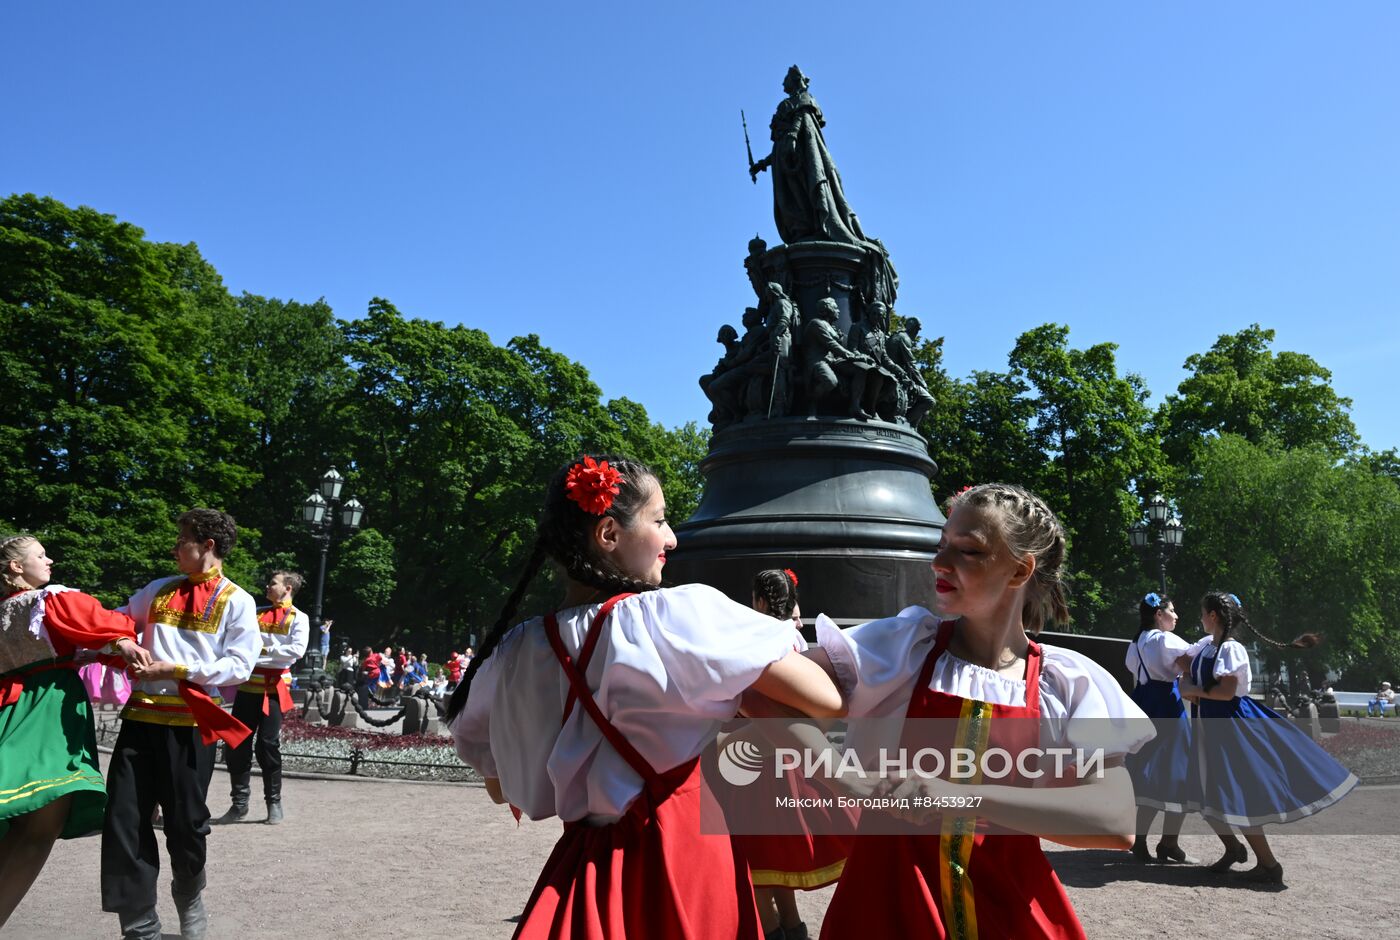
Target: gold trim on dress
[(167, 616), (800, 880), (959, 832), (38, 786), (282, 628)]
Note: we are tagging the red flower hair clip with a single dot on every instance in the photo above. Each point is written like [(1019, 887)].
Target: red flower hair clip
[(792, 576), (592, 484)]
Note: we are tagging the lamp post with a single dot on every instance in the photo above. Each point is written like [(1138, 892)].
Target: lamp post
[(320, 512), (1160, 531)]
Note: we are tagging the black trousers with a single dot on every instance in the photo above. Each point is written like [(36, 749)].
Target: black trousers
[(267, 731), (153, 764)]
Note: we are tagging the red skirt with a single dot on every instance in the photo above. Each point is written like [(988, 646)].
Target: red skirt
[(903, 886), (806, 860), (651, 874)]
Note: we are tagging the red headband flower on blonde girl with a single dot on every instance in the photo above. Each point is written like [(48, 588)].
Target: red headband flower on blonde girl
[(792, 576), (592, 484)]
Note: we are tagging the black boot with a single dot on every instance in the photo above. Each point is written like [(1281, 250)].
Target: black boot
[(274, 812), (141, 925), (236, 813), (188, 894), (239, 808)]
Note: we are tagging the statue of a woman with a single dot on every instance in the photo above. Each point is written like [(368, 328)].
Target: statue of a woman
[(808, 201)]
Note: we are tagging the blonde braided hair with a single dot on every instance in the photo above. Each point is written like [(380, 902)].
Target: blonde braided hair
[(14, 548), (1028, 527)]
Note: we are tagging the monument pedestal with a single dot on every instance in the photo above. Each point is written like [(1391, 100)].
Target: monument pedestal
[(846, 504)]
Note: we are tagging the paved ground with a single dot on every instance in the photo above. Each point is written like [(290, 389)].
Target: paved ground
[(371, 859)]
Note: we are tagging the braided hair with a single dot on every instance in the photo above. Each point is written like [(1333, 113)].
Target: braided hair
[(1029, 528), (1228, 608), (13, 548), (563, 535), (777, 588)]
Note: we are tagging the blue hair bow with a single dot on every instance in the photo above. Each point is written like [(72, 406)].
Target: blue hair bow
[(1153, 601), (1235, 598)]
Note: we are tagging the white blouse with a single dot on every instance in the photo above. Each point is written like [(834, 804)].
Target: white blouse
[(667, 672), (1232, 660), (1155, 652), (878, 663)]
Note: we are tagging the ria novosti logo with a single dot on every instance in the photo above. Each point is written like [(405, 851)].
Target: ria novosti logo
[(740, 763)]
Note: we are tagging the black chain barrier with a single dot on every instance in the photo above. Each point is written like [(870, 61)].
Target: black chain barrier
[(354, 700)]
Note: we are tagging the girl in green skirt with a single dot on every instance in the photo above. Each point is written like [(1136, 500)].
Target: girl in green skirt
[(50, 785)]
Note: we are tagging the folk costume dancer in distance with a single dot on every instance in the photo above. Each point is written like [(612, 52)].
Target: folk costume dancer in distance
[(265, 698), (1250, 765), (975, 666), (50, 784), (598, 713), (201, 630), (780, 865), (1160, 768)]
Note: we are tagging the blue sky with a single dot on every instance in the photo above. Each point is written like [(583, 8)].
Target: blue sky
[(1151, 174)]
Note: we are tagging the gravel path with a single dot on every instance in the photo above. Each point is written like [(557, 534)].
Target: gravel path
[(421, 860)]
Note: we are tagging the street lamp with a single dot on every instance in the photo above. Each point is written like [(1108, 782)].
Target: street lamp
[(1160, 531), (319, 514)]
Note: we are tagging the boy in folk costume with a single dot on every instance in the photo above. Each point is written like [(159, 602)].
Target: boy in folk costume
[(201, 630), (265, 698)]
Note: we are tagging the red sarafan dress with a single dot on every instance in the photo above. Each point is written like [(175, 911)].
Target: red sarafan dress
[(609, 738), (807, 859), (958, 881)]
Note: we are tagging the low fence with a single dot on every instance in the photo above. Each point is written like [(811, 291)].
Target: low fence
[(337, 756)]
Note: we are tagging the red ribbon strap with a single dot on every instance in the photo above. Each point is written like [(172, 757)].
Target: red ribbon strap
[(215, 724), (271, 678)]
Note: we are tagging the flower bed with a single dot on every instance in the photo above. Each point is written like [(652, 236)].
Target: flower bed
[(1369, 750), (315, 748)]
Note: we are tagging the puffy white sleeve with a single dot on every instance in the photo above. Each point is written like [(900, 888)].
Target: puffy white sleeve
[(877, 663), (1162, 649), (1233, 659), (1195, 648), (471, 729), (710, 648), (1083, 706)]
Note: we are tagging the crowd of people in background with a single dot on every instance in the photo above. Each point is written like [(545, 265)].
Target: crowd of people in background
[(389, 672)]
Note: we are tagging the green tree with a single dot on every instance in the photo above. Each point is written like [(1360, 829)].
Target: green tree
[(1091, 426), (1308, 544), (120, 411), (1240, 386), (286, 360)]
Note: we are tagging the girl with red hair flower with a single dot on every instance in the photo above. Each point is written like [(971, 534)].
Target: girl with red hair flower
[(597, 712)]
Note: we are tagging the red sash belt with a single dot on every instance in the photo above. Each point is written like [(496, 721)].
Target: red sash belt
[(273, 677), (12, 683), (215, 724)]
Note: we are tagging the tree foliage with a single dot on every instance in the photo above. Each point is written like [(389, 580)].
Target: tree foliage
[(1308, 544), (1062, 422), (1240, 386), (138, 387)]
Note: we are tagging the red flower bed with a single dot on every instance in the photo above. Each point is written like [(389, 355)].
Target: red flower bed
[(1367, 750), (294, 729)]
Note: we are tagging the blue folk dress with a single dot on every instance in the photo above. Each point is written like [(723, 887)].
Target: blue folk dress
[(1251, 766), (1161, 768)]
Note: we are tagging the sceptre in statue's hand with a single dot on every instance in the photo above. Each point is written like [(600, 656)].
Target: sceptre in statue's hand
[(761, 165)]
